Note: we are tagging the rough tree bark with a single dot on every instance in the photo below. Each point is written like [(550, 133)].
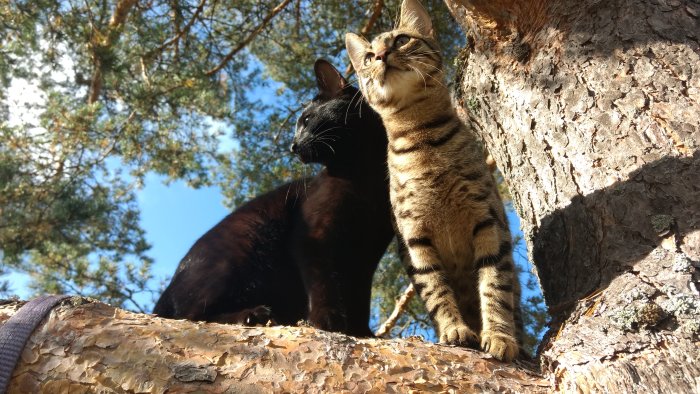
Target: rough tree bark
[(88, 347), (591, 110)]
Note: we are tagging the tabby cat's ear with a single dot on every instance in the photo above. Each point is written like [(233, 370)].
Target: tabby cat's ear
[(329, 80), (357, 47), (415, 17)]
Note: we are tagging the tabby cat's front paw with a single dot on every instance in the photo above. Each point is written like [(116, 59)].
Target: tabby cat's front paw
[(503, 347), (458, 334)]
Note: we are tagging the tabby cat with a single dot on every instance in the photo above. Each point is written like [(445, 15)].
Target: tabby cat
[(308, 249), (445, 201)]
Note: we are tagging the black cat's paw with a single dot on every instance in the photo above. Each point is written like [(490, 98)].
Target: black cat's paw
[(259, 316)]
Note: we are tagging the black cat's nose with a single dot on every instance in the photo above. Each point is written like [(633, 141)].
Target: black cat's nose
[(381, 55), (293, 147)]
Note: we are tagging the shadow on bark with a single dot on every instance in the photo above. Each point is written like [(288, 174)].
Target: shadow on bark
[(582, 248)]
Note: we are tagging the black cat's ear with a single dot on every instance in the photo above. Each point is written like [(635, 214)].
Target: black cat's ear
[(357, 47), (414, 17), (329, 80)]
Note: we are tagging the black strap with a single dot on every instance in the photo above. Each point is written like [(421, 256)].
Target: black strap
[(17, 330)]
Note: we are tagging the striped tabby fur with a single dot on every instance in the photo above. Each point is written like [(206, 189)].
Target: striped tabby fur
[(445, 201)]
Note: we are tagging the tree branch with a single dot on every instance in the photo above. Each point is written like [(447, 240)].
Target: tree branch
[(99, 43), (121, 11), (184, 30), (250, 37), (399, 308), (376, 12), (85, 346)]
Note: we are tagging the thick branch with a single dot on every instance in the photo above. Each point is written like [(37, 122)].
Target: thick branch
[(250, 37), (94, 347)]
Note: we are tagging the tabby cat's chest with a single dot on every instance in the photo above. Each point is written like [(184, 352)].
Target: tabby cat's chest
[(427, 176)]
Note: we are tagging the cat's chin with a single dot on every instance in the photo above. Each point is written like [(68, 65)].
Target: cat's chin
[(396, 84)]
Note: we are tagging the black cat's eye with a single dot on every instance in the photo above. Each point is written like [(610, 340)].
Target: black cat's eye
[(305, 120), (368, 58), (401, 40)]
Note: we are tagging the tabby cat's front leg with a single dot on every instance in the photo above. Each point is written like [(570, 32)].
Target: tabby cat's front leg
[(493, 259), (426, 272)]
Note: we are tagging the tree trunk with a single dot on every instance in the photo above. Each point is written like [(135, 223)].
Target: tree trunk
[(86, 347), (591, 110)]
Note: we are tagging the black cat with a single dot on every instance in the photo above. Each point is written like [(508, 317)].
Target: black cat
[(308, 249)]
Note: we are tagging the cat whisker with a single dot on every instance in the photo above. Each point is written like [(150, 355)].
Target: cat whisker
[(413, 51), (322, 124), (328, 138), (426, 64), (434, 79), (418, 52), (328, 145), (424, 52), (417, 71), (286, 197), (326, 131), (439, 82), (358, 102)]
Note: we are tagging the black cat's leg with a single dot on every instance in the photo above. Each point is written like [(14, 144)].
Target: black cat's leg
[(326, 309), (356, 279), (357, 286), (358, 308), (260, 315)]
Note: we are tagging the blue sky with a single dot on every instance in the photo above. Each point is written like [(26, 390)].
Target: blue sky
[(174, 216)]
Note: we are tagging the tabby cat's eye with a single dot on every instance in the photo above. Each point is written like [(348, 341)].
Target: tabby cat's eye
[(368, 58), (401, 40)]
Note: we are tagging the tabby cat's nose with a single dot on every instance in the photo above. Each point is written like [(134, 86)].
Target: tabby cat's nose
[(381, 55), (293, 147)]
